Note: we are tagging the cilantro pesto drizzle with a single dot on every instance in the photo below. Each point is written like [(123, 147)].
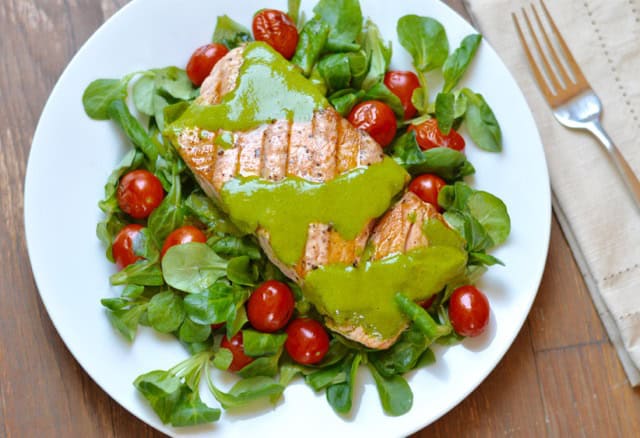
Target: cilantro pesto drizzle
[(364, 295), (269, 88), (286, 208)]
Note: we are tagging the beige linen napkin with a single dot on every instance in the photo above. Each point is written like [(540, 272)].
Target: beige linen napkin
[(597, 214)]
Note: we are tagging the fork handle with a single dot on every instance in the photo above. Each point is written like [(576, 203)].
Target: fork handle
[(627, 174)]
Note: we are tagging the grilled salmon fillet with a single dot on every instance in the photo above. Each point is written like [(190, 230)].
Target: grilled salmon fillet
[(317, 151), (398, 231)]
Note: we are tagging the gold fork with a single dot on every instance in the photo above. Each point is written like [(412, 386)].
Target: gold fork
[(573, 101)]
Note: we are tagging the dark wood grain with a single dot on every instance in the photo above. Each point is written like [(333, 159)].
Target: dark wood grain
[(560, 378)]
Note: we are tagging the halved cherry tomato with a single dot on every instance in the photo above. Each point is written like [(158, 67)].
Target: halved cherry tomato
[(427, 187), (240, 360), (402, 84), (270, 306), (376, 118), (469, 311), (307, 341), (203, 60), (139, 193), (182, 235), (122, 247), (276, 29), (428, 136)]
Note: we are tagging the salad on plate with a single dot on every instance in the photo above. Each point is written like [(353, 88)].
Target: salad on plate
[(292, 207)]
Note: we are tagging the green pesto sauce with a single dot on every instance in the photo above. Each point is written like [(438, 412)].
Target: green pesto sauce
[(224, 139), (364, 295), (286, 208), (269, 88)]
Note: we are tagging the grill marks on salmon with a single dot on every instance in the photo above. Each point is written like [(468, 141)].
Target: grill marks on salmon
[(317, 151)]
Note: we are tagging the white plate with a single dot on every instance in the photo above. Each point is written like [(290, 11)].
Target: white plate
[(72, 156)]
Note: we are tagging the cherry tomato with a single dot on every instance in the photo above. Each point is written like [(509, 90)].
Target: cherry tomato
[(307, 341), (139, 193), (276, 29), (427, 187), (469, 311), (240, 360), (203, 60), (122, 247), (402, 84), (428, 136), (182, 235), (270, 306), (376, 118)]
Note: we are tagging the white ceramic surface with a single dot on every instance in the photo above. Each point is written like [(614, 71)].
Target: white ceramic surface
[(72, 156)]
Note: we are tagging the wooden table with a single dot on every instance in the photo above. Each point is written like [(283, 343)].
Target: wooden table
[(561, 377)]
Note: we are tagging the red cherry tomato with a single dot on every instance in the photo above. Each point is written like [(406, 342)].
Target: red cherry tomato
[(276, 29), (139, 193), (376, 118), (203, 60), (427, 187), (270, 306), (307, 341), (182, 235), (469, 311), (122, 247), (240, 360), (428, 136), (402, 84)]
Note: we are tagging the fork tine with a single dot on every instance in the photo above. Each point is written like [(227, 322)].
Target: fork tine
[(552, 51), (573, 65), (536, 71), (545, 62)]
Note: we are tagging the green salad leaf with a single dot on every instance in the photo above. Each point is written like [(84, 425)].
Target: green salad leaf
[(169, 215), (421, 318), (311, 42), (118, 111), (445, 111), (344, 18), (213, 306), (457, 63), (480, 217), (293, 10), (166, 311), (99, 95), (325, 377), (378, 54), (404, 355), (425, 39), (192, 267), (126, 320), (261, 344), (395, 394), (340, 395), (447, 163), (174, 394), (230, 33), (481, 123), (191, 331), (143, 273), (247, 390)]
